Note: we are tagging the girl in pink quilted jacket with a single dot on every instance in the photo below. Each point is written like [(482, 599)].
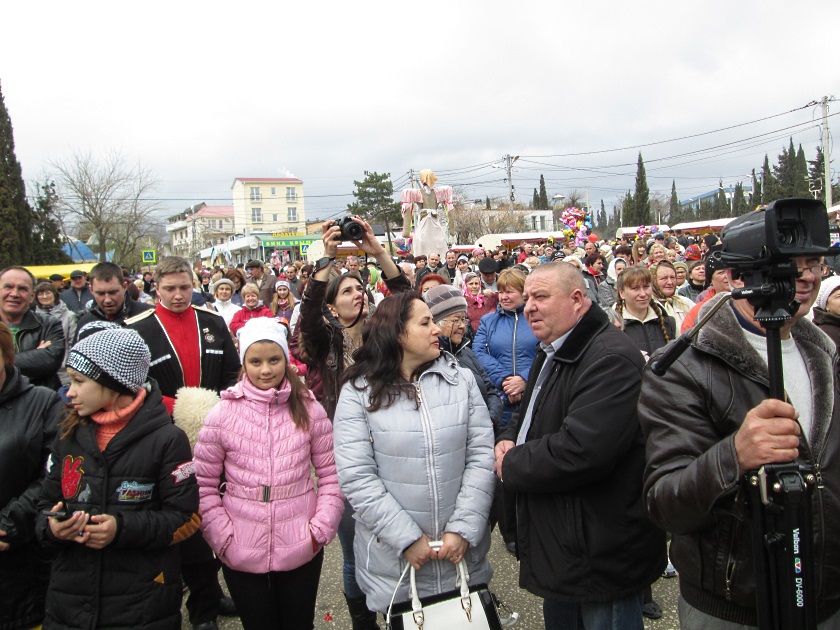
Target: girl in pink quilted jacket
[(261, 514)]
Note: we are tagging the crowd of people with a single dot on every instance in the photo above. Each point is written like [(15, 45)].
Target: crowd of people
[(159, 428)]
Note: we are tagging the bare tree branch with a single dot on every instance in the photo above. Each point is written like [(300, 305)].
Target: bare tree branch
[(110, 198)]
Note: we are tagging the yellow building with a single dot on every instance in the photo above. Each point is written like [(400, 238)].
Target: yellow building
[(268, 205)]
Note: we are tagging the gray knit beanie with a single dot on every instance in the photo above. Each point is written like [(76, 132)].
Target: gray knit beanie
[(445, 300), (115, 358)]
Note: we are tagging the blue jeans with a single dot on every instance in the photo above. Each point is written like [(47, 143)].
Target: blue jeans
[(618, 614), (346, 536)]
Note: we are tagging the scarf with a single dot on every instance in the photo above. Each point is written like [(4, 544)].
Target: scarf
[(109, 423)]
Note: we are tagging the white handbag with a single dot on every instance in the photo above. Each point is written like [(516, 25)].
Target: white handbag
[(466, 608)]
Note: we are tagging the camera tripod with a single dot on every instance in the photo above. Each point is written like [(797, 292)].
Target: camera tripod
[(780, 495)]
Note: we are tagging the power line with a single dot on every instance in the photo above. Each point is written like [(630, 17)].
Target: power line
[(696, 135)]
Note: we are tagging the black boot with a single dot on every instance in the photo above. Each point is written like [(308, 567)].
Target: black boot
[(362, 618)]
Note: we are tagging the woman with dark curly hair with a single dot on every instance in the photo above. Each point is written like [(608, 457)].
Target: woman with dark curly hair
[(414, 454)]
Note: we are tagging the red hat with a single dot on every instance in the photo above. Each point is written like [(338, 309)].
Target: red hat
[(692, 252)]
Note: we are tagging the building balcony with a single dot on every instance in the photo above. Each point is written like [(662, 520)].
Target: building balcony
[(176, 225)]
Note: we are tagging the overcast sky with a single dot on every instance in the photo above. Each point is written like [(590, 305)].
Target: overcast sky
[(203, 92)]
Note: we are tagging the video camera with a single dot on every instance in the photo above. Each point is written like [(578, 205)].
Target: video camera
[(350, 230), (760, 248)]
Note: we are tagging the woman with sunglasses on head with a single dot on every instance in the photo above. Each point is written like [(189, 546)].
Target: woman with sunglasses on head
[(333, 312)]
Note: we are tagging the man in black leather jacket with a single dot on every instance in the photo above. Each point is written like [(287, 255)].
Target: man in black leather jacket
[(39, 339), (112, 302), (708, 421)]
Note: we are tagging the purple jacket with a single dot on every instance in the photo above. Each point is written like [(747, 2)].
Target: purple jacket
[(268, 512)]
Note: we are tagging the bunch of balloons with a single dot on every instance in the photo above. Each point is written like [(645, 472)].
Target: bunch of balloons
[(578, 225), (646, 230)]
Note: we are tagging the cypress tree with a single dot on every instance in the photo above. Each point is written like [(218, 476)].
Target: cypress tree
[(755, 195), (629, 217), (543, 195), (674, 208), (785, 172), (15, 213), (721, 207), (739, 203), (769, 184), (535, 202), (46, 234), (642, 195), (800, 175), (487, 203)]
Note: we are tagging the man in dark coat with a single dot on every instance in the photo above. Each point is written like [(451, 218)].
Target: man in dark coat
[(39, 339), (190, 347), (574, 455), (112, 302)]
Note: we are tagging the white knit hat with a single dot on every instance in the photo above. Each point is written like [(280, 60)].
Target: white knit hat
[(829, 286), (262, 329)]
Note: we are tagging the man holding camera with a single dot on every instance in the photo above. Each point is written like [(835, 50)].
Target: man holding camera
[(709, 420)]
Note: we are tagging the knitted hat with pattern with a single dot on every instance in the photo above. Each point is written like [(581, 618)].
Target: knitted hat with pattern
[(445, 300), (115, 358)]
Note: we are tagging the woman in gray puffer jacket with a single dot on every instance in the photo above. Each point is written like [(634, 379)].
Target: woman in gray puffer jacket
[(414, 453)]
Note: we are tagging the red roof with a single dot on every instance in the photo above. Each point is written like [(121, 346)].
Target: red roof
[(215, 211), (268, 180)]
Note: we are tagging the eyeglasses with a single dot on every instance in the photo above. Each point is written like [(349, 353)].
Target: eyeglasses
[(814, 268), (456, 321)]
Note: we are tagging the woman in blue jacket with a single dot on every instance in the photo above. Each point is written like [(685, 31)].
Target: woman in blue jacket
[(504, 343)]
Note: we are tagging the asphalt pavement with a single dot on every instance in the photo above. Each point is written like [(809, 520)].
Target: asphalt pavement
[(331, 611)]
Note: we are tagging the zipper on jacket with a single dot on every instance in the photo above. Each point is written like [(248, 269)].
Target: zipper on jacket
[(730, 562), (513, 348), (270, 479), (431, 467)]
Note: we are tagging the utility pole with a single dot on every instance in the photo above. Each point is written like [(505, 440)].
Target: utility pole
[(826, 147), (508, 164)]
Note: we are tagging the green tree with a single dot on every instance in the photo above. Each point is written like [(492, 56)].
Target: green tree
[(800, 175), (375, 200), (755, 195), (770, 190), (817, 176), (721, 205), (739, 202), (487, 203), (641, 196), (535, 202), (15, 212), (46, 229), (628, 216), (543, 195), (785, 172), (603, 223), (674, 208)]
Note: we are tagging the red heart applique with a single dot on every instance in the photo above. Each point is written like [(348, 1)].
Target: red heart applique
[(71, 476)]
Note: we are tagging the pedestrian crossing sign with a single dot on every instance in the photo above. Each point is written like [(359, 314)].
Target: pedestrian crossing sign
[(149, 256)]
